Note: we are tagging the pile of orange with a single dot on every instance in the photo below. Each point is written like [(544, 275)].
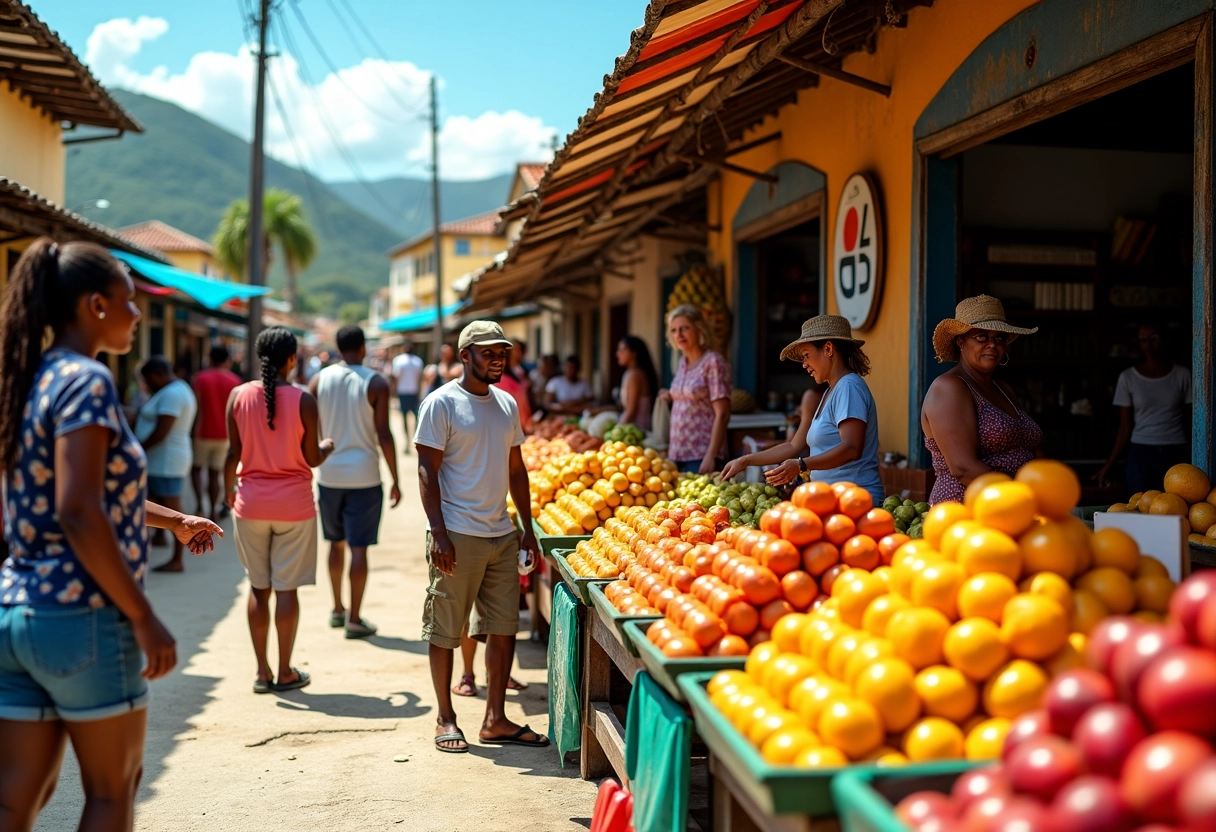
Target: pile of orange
[(931, 655), (1187, 492)]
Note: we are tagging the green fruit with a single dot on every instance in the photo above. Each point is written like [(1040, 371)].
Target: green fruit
[(771, 491), (748, 502), (892, 503), (745, 519), (922, 508), (900, 525), (909, 504), (916, 531), (905, 513)]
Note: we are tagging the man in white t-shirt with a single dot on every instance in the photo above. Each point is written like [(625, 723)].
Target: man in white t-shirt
[(568, 393), (165, 426), (407, 380)]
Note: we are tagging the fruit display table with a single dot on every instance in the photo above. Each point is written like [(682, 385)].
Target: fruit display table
[(667, 671), (608, 671), (866, 796), (580, 586)]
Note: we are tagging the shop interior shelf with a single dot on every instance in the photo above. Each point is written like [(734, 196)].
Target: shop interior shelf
[(866, 796), (580, 585), (616, 620), (550, 542), (666, 670)]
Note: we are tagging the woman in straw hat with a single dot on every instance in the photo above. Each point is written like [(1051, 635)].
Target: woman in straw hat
[(842, 434), (972, 424)]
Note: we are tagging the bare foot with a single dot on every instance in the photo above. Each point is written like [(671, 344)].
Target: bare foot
[(453, 738), (170, 566)]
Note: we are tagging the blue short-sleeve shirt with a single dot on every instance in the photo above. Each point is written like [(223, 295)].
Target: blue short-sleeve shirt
[(70, 392), (850, 398)]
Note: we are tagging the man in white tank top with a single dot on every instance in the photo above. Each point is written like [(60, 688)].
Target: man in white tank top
[(354, 407)]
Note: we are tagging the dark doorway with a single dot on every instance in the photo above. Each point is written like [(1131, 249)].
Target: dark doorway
[(787, 268)]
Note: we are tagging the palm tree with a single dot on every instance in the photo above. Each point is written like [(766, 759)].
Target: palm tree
[(284, 225)]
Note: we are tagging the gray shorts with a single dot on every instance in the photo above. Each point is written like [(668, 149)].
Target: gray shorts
[(485, 583), (277, 554)]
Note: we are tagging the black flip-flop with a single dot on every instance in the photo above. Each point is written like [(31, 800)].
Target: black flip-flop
[(517, 739), (448, 737), (362, 629), (302, 680), (262, 686)]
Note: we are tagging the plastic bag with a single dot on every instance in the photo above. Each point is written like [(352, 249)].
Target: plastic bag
[(660, 425)]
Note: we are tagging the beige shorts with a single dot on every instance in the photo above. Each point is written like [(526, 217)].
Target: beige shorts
[(277, 554), (485, 583), (210, 453)]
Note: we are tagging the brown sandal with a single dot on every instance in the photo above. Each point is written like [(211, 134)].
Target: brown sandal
[(467, 686)]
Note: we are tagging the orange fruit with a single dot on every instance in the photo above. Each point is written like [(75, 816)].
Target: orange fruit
[(946, 692), (1202, 517), (1056, 487), (865, 655), (760, 656), (911, 549), (799, 588), (889, 545), (940, 518), (801, 526), (1188, 482), (1006, 506), (842, 650), (839, 488), (975, 648), (979, 484), (813, 704), (1146, 500), (1051, 585), (885, 756), (879, 613), (1112, 586), (955, 535), (855, 502), (838, 528), (937, 586), (883, 573), (905, 569), (1067, 659), (1048, 547), (724, 679), (763, 728), (819, 558), (1115, 547), (782, 679), (876, 523), (985, 595), (800, 692), (889, 685), (1149, 617), (788, 630), (1015, 689), (855, 596), (1146, 566), (821, 643), (1080, 535), (1088, 610), (784, 745), (1170, 504), (1153, 593), (990, 550), (917, 634), (934, 738), (851, 725), (821, 757), (1034, 626), (986, 740), (861, 551), (816, 496)]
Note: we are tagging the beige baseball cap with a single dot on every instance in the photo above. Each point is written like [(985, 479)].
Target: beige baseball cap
[(482, 333)]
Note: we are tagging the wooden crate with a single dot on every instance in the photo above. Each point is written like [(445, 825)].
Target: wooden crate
[(917, 481)]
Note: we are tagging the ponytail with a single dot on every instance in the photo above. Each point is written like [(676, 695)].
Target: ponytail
[(275, 347), (44, 287)]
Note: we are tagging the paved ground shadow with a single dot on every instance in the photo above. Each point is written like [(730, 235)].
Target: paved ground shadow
[(354, 705)]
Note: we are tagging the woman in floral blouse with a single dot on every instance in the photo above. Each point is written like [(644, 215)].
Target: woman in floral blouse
[(699, 395), (73, 617)]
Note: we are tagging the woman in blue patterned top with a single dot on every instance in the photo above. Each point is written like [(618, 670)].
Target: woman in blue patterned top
[(73, 616)]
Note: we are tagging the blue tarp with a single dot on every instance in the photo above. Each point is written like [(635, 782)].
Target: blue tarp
[(422, 319), (209, 292)]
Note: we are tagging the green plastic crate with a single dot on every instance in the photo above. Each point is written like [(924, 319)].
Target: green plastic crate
[(581, 586), (615, 620), (666, 671), (551, 542), (866, 796)]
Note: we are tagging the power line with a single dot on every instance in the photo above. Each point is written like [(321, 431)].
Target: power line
[(300, 156), (417, 109)]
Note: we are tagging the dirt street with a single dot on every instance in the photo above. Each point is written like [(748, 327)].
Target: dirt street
[(221, 758)]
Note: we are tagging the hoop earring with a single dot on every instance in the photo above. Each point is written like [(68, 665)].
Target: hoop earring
[(1006, 361)]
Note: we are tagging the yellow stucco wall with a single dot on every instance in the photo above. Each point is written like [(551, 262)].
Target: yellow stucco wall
[(198, 262), (30, 148), (841, 129), (454, 265)]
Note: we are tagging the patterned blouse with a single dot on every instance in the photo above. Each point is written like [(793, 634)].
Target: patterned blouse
[(692, 415), (70, 392)]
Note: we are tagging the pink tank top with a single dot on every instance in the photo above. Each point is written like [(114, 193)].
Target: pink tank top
[(275, 481)]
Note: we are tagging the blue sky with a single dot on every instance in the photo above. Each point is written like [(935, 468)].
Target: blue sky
[(511, 74)]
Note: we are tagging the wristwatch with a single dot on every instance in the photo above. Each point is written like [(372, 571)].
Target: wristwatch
[(802, 465)]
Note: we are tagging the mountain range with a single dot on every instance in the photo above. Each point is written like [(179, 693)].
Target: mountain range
[(185, 170)]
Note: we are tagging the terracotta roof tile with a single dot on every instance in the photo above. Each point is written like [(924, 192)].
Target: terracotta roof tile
[(486, 223), (531, 174), (162, 237)]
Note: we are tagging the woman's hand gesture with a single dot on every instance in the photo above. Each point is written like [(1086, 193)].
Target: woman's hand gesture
[(787, 471)]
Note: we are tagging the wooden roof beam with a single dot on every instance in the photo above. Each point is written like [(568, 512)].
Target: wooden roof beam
[(838, 74), (723, 165)]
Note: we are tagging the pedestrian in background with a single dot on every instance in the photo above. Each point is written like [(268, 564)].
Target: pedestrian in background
[(273, 430), (407, 379), (212, 387), (448, 368), (468, 459), (354, 406), (164, 426), (699, 395), (74, 620)]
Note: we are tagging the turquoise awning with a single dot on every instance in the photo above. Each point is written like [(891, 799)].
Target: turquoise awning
[(208, 291), (414, 321)]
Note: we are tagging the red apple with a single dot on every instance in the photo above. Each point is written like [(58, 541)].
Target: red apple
[(1029, 724), (1178, 691), (1131, 657), (1157, 827), (1106, 735), (1071, 694), (919, 807), (1108, 635), (1197, 797), (1091, 804), (978, 784), (937, 823), (1154, 772), (1188, 598), (1041, 766), (982, 815), (1017, 814), (1205, 631)]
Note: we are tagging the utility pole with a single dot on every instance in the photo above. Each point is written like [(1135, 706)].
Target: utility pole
[(437, 239), (253, 260)]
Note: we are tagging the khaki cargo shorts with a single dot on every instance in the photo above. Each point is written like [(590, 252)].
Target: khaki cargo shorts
[(210, 454), (277, 554), (484, 583)]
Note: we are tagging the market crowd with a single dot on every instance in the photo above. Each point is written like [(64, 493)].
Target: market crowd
[(85, 478)]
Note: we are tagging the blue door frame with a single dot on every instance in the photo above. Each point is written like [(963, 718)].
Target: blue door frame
[(1034, 51)]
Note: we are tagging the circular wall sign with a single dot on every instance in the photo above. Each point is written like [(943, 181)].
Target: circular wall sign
[(857, 254)]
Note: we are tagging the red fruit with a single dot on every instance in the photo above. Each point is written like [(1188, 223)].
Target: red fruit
[(1105, 637), (1091, 804), (1130, 658), (720, 515), (1041, 766), (983, 815), (919, 807), (1206, 628), (1188, 598), (1154, 772), (1178, 691), (1017, 814), (1197, 797), (1105, 735), (1073, 693), (977, 784), (1028, 725)]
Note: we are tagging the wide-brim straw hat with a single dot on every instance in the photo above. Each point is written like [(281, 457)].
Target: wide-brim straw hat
[(821, 328), (979, 312)]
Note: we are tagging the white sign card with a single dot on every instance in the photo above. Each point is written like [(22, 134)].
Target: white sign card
[(858, 252)]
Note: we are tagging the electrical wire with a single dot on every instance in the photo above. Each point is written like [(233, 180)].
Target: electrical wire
[(417, 109), (301, 158)]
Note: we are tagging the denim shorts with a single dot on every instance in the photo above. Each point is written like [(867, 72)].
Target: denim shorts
[(166, 486), (72, 663)]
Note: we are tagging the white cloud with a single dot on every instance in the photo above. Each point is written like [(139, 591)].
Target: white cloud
[(376, 110)]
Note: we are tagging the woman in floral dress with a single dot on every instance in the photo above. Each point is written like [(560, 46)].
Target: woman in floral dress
[(699, 395)]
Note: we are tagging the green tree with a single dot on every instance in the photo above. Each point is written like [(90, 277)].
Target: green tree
[(284, 225)]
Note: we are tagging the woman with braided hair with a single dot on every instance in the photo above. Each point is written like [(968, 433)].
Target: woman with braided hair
[(272, 433)]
